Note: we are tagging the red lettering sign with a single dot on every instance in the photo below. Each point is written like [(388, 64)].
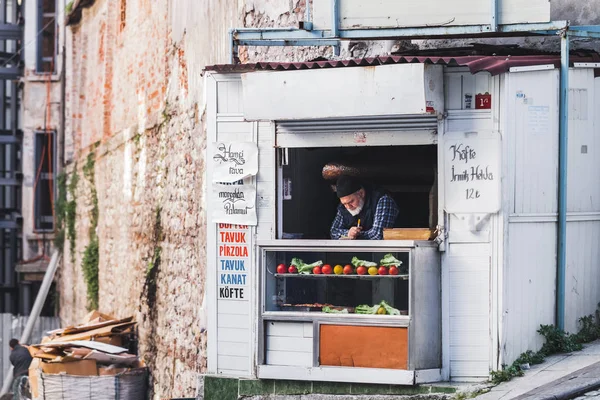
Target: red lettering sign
[(233, 251)]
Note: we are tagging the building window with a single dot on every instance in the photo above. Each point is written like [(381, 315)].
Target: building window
[(44, 185), (46, 40), (122, 15)]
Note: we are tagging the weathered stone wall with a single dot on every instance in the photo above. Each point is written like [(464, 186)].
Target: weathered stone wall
[(135, 102)]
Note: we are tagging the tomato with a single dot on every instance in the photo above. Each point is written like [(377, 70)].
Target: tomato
[(338, 270), (292, 270), (348, 270), (393, 270), (326, 269), (372, 270), (383, 270), (361, 270), (317, 270), (281, 269)]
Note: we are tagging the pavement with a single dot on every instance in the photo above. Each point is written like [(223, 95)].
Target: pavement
[(559, 377)]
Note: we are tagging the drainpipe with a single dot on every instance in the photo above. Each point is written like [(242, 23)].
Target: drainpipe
[(335, 14), (562, 181)]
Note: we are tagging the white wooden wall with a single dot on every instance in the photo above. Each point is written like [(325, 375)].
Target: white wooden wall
[(466, 263), (531, 148), (583, 203), (232, 323), (230, 339)]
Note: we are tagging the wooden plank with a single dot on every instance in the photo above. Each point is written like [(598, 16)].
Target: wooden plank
[(233, 349), (358, 14), (238, 321), (358, 346), (296, 345), (338, 374), (289, 358), (236, 335), (233, 363), (233, 307), (287, 329)]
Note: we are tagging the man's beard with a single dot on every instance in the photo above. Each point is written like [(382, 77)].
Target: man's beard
[(358, 209)]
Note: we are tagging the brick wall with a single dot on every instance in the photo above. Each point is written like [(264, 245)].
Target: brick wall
[(135, 100)]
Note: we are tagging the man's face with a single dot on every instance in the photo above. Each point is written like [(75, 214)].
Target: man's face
[(354, 202)]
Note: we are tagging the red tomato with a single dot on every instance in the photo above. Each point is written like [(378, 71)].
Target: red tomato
[(383, 270), (361, 270), (317, 270), (292, 270), (326, 269), (393, 270), (348, 270), (281, 269)]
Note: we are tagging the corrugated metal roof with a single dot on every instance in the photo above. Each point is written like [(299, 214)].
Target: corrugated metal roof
[(492, 64)]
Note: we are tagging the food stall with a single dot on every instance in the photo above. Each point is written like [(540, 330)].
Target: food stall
[(433, 133), (322, 309)]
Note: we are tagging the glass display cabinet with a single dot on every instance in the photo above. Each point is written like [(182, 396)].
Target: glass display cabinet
[(342, 311)]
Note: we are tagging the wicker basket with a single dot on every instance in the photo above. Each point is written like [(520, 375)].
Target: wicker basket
[(408, 234)]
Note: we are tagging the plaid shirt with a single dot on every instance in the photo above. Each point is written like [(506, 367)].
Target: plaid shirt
[(385, 216)]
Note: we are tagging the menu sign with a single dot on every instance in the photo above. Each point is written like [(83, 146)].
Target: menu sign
[(233, 161), (233, 261), (472, 172), (234, 203)]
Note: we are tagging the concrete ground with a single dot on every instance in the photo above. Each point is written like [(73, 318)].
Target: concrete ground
[(562, 376)]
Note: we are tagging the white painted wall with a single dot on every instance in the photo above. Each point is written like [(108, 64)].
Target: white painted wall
[(467, 261), (531, 184)]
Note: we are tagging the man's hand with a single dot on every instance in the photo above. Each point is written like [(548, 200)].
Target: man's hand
[(354, 232)]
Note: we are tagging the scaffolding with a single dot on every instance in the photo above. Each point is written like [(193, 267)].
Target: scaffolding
[(11, 38)]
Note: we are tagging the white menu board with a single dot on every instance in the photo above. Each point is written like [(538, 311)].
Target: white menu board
[(233, 161), (472, 172)]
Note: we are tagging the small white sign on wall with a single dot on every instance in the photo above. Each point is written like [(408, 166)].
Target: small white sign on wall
[(472, 172), (234, 203), (233, 161)]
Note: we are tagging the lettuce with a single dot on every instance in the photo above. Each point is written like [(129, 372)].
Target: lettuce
[(389, 260), (357, 263), (304, 268)]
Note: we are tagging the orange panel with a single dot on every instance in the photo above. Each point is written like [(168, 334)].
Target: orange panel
[(363, 346)]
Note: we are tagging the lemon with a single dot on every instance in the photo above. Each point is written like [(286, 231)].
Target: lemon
[(373, 271), (338, 269)]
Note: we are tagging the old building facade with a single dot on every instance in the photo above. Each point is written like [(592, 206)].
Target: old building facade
[(135, 139)]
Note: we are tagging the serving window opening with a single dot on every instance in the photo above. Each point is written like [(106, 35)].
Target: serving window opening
[(307, 197)]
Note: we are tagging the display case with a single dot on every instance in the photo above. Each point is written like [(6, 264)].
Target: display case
[(349, 325)]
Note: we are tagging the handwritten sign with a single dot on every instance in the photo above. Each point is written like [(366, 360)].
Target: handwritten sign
[(233, 161), (234, 203), (233, 262), (472, 172)]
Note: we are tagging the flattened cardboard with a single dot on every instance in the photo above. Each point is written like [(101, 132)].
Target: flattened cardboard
[(34, 369), (121, 359), (81, 368)]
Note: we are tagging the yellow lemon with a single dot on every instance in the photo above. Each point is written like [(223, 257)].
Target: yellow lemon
[(373, 271), (338, 269)]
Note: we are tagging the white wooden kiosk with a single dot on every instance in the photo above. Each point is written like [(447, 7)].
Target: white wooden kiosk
[(476, 295)]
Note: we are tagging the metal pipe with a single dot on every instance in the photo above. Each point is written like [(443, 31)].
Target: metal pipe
[(334, 18), (35, 312), (494, 16), (307, 12), (562, 181), (231, 45)]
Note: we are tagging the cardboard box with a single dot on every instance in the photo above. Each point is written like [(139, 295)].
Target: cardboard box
[(34, 371), (82, 368)]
